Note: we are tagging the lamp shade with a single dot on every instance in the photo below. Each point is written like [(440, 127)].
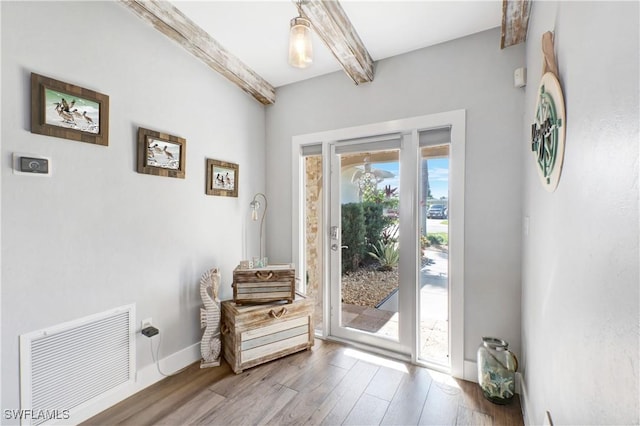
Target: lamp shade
[(300, 48)]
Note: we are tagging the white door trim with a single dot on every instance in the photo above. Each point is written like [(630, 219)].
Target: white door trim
[(457, 120)]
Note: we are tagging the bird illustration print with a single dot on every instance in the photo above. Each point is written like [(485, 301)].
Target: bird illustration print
[(66, 107), (211, 345), (76, 114), (167, 153), (86, 117)]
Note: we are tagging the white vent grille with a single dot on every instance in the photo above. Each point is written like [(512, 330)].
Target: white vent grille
[(71, 364)]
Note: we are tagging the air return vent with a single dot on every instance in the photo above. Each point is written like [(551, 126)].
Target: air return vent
[(73, 364)]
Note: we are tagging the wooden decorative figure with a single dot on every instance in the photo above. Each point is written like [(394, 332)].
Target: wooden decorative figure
[(210, 347)]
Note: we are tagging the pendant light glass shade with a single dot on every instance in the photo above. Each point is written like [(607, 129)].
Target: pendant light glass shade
[(300, 48)]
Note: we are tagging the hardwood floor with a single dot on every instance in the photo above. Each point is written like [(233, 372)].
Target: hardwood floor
[(331, 384)]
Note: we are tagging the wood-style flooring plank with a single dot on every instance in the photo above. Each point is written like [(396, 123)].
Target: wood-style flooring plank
[(342, 359), (385, 383), (295, 372), (472, 398), (441, 405), (319, 382), (254, 406), (155, 402), (231, 385), (407, 403), (163, 407), (336, 407), (468, 417), (199, 406), (330, 384), (369, 410)]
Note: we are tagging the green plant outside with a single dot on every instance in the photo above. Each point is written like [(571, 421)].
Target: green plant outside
[(387, 254), (353, 236), (438, 238), (374, 222)]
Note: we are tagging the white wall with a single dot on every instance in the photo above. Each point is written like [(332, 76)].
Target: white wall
[(96, 234), (470, 73), (580, 300)]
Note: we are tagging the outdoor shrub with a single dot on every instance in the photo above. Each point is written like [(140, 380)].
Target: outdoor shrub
[(424, 242), (374, 222), (387, 254), (438, 238), (390, 233), (353, 236)]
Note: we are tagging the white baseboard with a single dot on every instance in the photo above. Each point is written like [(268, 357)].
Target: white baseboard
[(145, 377), (470, 371), (524, 399)]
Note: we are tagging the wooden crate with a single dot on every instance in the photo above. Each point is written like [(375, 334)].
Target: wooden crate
[(263, 285), (255, 334)]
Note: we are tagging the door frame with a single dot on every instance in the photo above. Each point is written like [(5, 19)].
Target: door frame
[(409, 128), (389, 142)]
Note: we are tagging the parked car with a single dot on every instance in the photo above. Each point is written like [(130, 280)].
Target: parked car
[(437, 211)]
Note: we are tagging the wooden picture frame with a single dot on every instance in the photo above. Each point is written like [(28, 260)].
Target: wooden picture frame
[(161, 154), (222, 178), (64, 110)]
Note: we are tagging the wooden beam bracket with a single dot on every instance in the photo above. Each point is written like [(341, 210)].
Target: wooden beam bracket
[(170, 21), (515, 22), (334, 28)]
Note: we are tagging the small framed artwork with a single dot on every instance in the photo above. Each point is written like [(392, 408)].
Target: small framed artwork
[(67, 111), (161, 154), (222, 178)]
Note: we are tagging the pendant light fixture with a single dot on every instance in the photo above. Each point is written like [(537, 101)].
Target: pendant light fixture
[(300, 48)]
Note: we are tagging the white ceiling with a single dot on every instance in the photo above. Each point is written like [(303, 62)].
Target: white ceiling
[(257, 32)]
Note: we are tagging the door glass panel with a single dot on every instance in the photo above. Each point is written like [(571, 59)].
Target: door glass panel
[(369, 200), (313, 234), (434, 246)]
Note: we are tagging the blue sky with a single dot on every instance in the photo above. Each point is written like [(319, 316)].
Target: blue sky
[(438, 176)]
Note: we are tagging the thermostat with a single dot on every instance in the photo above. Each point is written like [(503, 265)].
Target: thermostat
[(28, 164), (520, 77), (34, 165)]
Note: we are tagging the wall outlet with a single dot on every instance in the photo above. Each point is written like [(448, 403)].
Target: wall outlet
[(146, 323)]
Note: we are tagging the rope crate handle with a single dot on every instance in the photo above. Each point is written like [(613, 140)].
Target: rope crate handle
[(224, 328), (278, 315), (262, 276)]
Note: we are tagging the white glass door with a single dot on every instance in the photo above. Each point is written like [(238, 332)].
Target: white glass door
[(385, 271), (365, 242)]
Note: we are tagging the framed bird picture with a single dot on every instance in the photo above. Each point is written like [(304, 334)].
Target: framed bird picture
[(68, 111), (222, 178), (161, 154)]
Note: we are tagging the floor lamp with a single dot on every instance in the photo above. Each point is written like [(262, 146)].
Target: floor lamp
[(255, 206)]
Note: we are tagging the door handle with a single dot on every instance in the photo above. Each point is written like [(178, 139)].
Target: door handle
[(334, 247)]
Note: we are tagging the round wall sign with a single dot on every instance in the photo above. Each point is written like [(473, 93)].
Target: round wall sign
[(548, 131)]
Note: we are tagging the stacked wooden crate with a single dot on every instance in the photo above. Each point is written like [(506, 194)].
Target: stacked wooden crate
[(267, 318)]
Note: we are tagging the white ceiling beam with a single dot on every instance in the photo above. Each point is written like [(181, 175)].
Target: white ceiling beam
[(333, 26), (515, 22), (170, 21)]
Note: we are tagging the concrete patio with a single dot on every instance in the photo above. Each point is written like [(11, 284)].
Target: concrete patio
[(383, 321)]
